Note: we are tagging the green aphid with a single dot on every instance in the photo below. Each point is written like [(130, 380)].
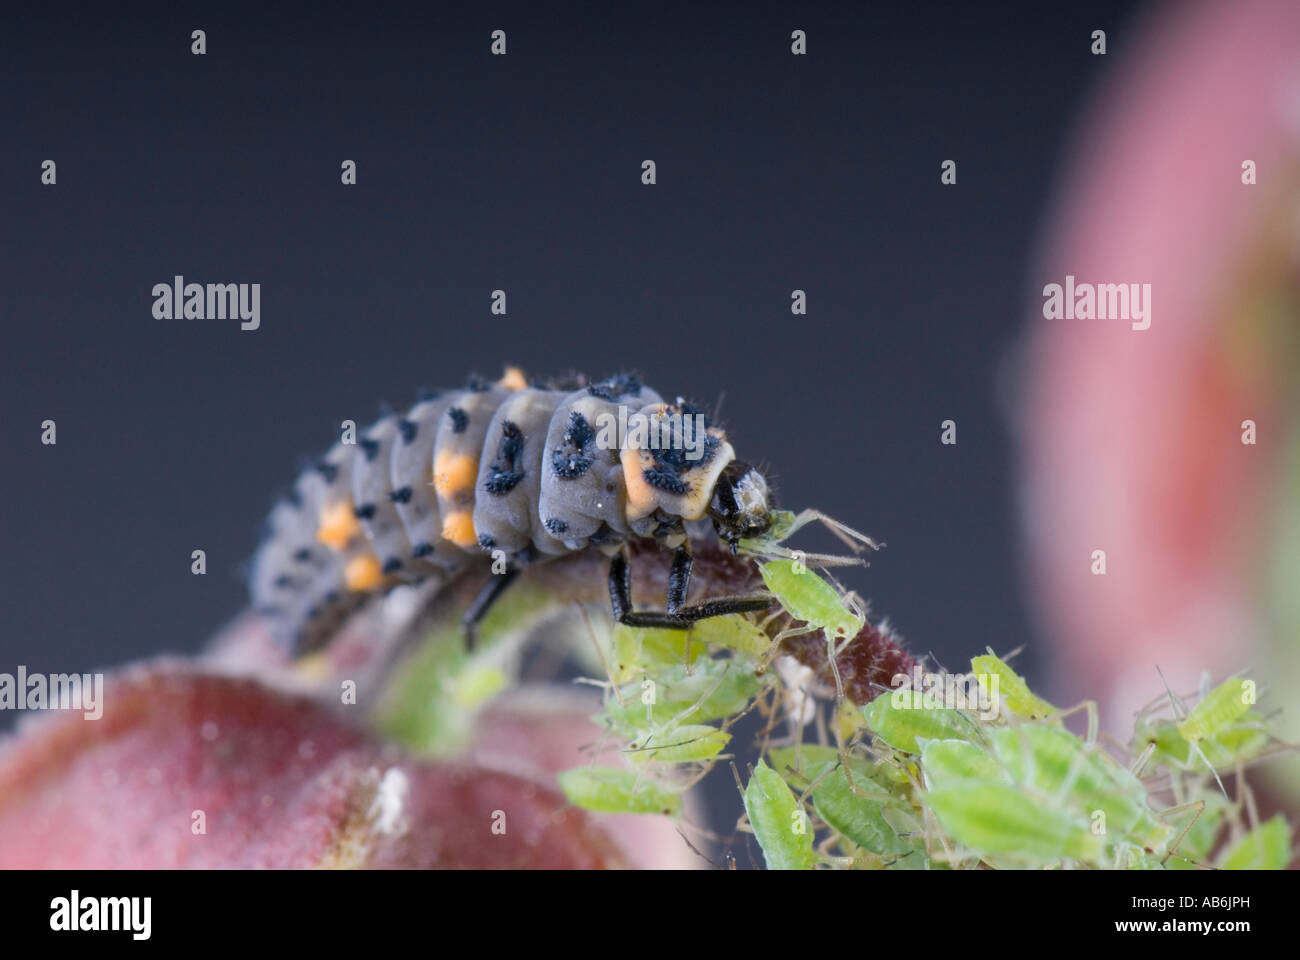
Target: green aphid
[(807, 597), (735, 632), (711, 690), (1218, 709), (994, 819), (782, 523), (947, 763), (872, 818), (803, 764), (1241, 741), (780, 824), (615, 790), (640, 650), (687, 743), (1062, 768), (902, 725), (1011, 688), (1267, 847)]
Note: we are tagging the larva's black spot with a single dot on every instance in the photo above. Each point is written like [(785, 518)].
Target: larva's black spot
[(332, 597), (501, 483), (459, 419), (486, 542), (364, 512), (302, 554), (613, 387), (664, 480), (572, 458), (283, 581), (369, 448), (676, 461), (603, 534), (556, 526), (504, 473), (478, 385), (408, 429), (328, 471), (392, 565), (401, 495), (422, 549)]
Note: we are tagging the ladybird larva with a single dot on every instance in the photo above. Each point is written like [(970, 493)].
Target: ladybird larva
[(505, 469)]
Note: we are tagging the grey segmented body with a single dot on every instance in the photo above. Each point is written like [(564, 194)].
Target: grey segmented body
[(502, 467)]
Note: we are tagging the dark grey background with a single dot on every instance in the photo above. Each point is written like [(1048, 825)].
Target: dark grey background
[(520, 172)]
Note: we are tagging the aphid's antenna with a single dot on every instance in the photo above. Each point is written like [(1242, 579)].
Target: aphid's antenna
[(600, 652), (857, 542), (1180, 713), (1008, 657), (709, 860)]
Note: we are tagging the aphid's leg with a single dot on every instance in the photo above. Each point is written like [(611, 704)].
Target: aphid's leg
[(1089, 707), (489, 595), (1199, 806), (775, 646), (1140, 763)]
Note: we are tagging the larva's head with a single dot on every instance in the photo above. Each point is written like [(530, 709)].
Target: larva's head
[(742, 503)]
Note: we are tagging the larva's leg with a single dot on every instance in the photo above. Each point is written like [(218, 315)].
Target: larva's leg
[(679, 578), (489, 595), (677, 616), (620, 587)]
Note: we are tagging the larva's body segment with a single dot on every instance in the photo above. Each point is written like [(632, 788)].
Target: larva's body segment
[(412, 494), (456, 454), (583, 493), (506, 515), (372, 486), (534, 473), (662, 478)]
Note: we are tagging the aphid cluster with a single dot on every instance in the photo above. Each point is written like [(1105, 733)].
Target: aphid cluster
[(507, 472)]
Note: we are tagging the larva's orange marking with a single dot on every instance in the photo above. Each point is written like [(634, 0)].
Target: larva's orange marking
[(640, 495), (453, 474), (362, 573), (338, 525), (458, 527), (513, 379)]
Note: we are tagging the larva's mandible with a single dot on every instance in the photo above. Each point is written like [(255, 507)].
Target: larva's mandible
[(507, 470)]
